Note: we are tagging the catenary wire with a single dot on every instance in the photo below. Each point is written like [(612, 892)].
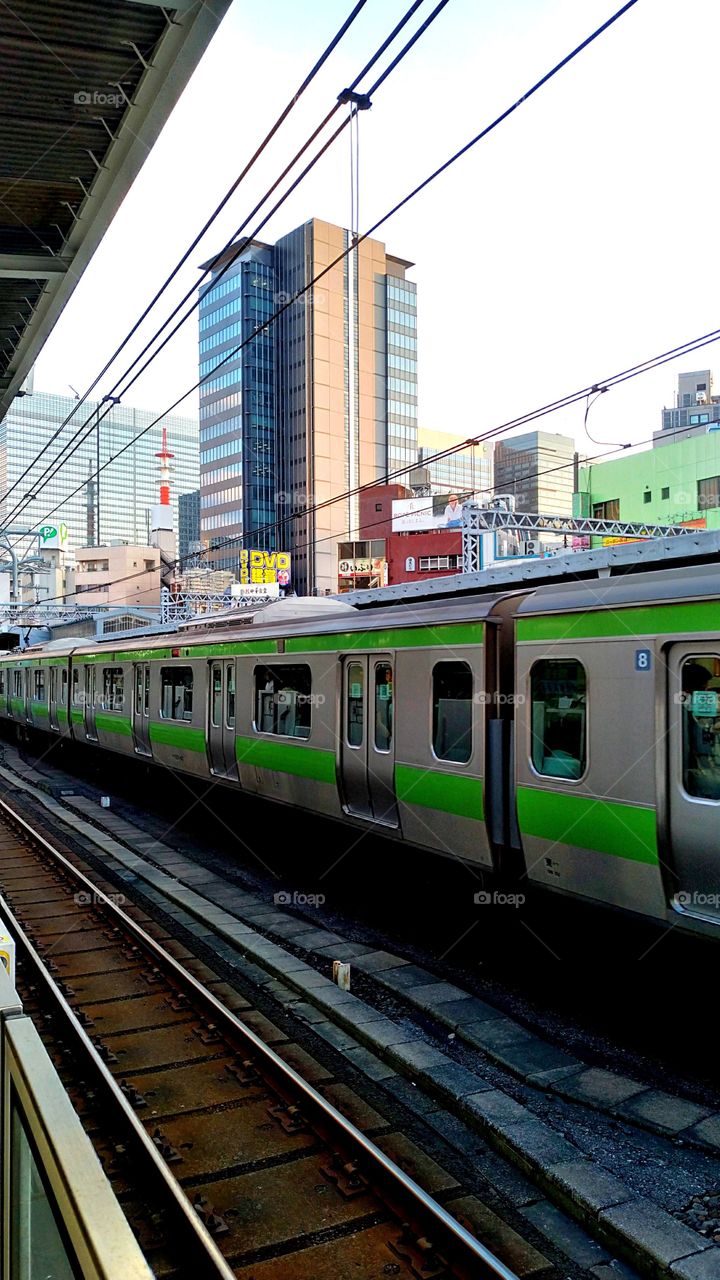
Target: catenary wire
[(636, 371), (95, 419), (214, 215), (399, 205)]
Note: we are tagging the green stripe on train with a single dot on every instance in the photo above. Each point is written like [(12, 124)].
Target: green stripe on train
[(113, 724), (303, 762), (448, 792), (394, 638), (177, 735), (626, 622), (623, 830)]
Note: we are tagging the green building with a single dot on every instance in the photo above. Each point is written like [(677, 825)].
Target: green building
[(673, 483)]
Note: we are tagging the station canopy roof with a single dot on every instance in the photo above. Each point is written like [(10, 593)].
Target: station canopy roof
[(86, 87)]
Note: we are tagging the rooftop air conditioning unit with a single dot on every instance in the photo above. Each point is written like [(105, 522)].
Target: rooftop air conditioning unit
[(532, 547), (701, 397)]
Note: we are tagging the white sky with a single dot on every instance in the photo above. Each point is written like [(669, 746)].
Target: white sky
[(579, 239)]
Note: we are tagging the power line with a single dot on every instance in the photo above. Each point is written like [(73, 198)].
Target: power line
[(78, 439), (555, 406), (214, 215), (549, 75)]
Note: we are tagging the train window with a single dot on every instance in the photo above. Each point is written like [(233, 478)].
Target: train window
[(452, 711), (558, 692), (701, 726), (282, 700), (18, 678), (355, 703), (176, 693), (383, 706), (113, 689), (76, 694), (216, 700), (2, 681), (63, 683), (39, 693), (230, 697)]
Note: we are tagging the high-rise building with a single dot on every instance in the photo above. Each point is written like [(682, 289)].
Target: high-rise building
[(695, 408), (537, 469), (467, 471), (188, 523), (128, 486), (322, 401)]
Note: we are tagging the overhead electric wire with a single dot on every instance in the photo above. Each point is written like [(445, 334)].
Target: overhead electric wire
[(549, 75), (555, 406), (93, 422), (213, 216)]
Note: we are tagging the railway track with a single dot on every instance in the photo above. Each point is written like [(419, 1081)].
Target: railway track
[(226, 1161)]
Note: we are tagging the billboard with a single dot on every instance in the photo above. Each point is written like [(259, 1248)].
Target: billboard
[(439, 511), (265, 566), (53, 537)]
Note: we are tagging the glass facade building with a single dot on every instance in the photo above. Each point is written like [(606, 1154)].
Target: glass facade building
[(129, 485), (538, 470), (188, 522), (237, 406), (321, 402), (467, 471)]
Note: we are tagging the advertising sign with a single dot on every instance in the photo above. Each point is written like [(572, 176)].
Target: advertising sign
[(255, 590), (53, 536), (265, 566), (440, 511)]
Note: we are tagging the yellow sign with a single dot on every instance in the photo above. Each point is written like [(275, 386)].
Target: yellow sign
[(265, 566)]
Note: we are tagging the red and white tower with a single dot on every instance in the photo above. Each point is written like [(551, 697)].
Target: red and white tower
[(161, 534)]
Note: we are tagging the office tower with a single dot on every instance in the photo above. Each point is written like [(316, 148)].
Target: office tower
[(116, 507), (537, 468), (322, 401)]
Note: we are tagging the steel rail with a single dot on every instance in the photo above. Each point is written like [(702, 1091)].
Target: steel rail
[(396, 1188)]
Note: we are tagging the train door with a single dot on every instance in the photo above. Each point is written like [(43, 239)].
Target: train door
[(54, 685), (367, 749), (141, 708), (694, 775), (221, 718), (89, 692)]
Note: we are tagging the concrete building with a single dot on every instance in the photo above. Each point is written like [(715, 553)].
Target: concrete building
[(188, 523), (121, 574), (127, 488), (676, 484), (696, 408), (467, 471), (537, 468), (323, 400)]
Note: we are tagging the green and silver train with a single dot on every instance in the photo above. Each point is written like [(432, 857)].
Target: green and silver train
[(564, 734)]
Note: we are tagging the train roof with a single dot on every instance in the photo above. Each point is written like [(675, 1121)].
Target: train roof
[(689, 583), (428, 613)]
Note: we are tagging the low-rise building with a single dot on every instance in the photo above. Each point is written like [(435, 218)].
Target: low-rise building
[(122, 574), (676, 484)]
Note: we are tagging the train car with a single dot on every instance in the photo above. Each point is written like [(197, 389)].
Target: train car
[(567, 735), (618, 740)]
